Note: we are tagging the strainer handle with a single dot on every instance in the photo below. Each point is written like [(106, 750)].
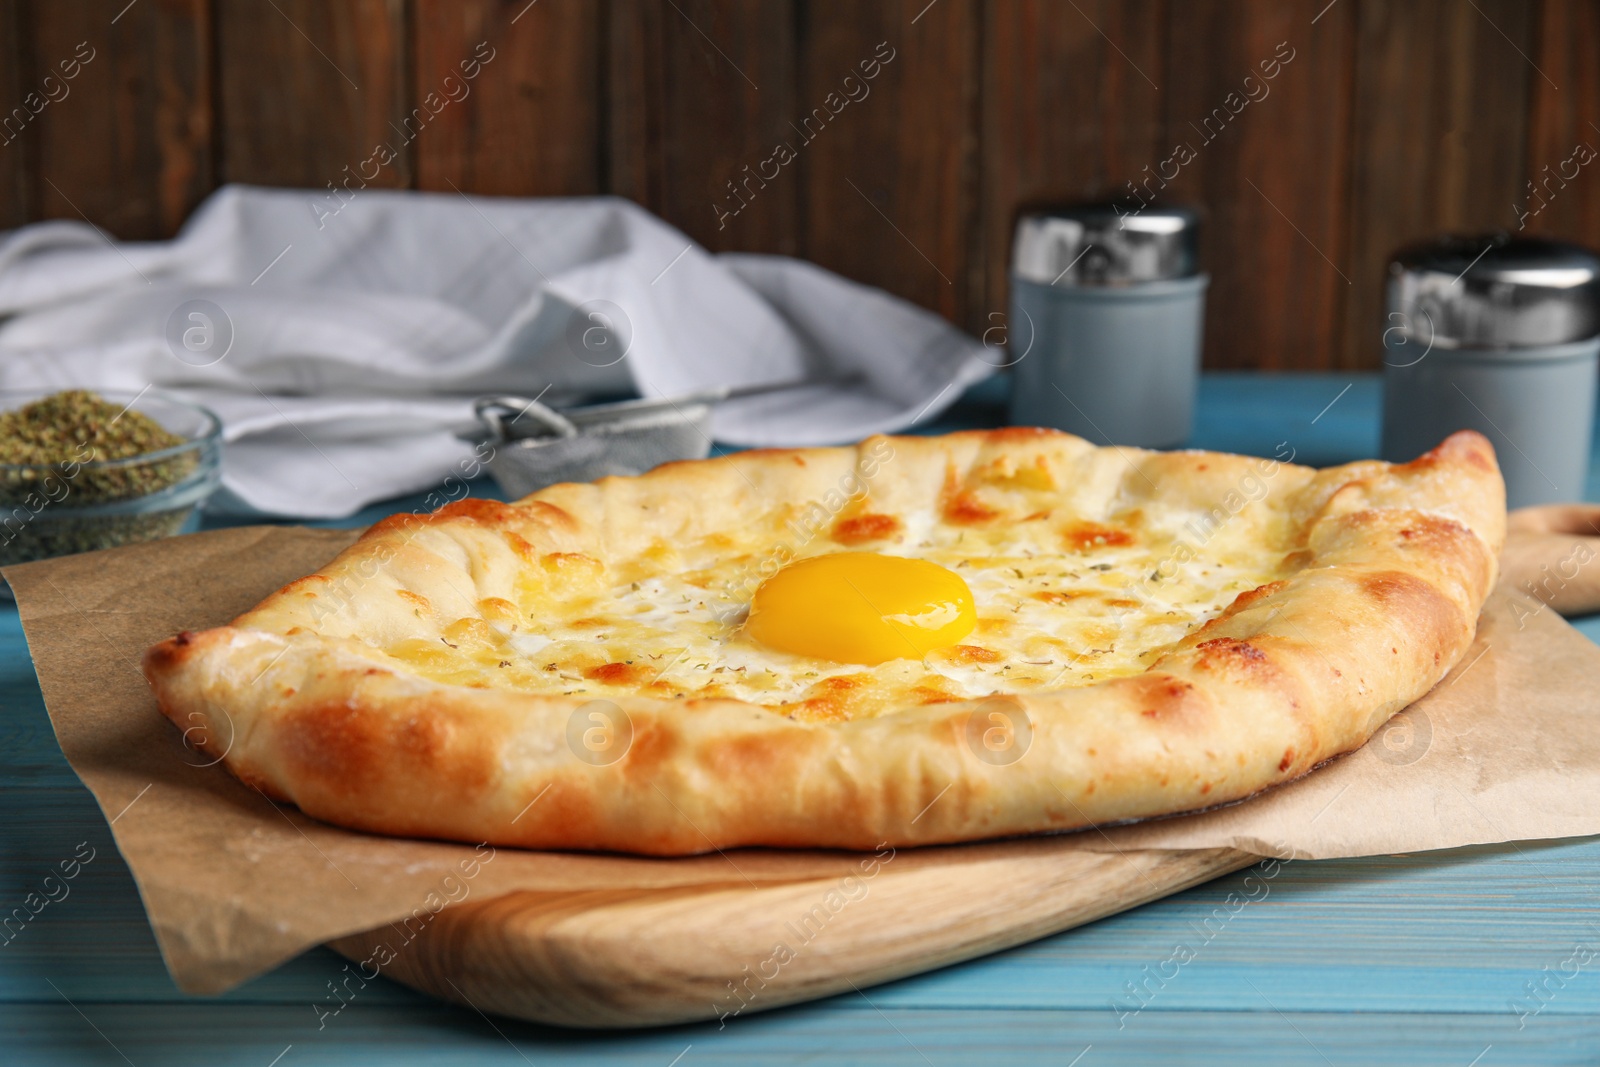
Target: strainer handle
[(499, 413)]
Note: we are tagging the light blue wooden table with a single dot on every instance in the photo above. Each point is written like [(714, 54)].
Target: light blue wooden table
[(1395, 959)]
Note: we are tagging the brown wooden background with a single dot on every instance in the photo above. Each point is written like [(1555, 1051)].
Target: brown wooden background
[(1396, 119)]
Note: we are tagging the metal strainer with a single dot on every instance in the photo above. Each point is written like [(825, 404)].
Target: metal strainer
[(536, 446)]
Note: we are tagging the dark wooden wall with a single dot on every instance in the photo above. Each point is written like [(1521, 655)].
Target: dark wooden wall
[(1395, 119)]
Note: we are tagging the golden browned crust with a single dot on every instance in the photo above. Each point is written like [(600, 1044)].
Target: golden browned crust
[(1395, 564)]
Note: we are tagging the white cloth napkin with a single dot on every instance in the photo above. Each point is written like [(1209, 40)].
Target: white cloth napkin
[(342, 342)]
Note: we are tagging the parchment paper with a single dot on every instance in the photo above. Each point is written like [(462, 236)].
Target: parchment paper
[(1506, 748)]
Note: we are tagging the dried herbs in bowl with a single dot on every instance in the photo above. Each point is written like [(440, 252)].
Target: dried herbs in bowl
[(81, 471)]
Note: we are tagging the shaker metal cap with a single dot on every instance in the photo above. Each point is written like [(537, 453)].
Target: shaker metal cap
[(1495, 291), (1106, 244)]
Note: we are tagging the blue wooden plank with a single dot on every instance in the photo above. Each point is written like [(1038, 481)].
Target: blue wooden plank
[(1456, 931), (29, 754), (1252, 1034), (1324, 418)]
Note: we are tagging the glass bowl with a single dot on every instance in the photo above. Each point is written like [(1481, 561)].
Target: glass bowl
[(55, 509)]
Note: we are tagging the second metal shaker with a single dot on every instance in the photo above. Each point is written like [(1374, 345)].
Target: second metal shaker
[(1502, 336)]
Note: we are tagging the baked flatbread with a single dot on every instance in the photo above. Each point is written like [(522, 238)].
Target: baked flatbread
[(1021, 633)]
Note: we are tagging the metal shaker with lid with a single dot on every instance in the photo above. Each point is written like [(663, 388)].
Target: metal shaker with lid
[(1502, 336), (1107, 313)]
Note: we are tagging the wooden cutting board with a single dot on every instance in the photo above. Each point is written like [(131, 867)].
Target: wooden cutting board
[(608, 959), (639, 958)]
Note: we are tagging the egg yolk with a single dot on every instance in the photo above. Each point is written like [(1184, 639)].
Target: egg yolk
[(861, 607)]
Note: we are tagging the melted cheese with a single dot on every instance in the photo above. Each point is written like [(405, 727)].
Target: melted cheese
[(1061, 600)]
